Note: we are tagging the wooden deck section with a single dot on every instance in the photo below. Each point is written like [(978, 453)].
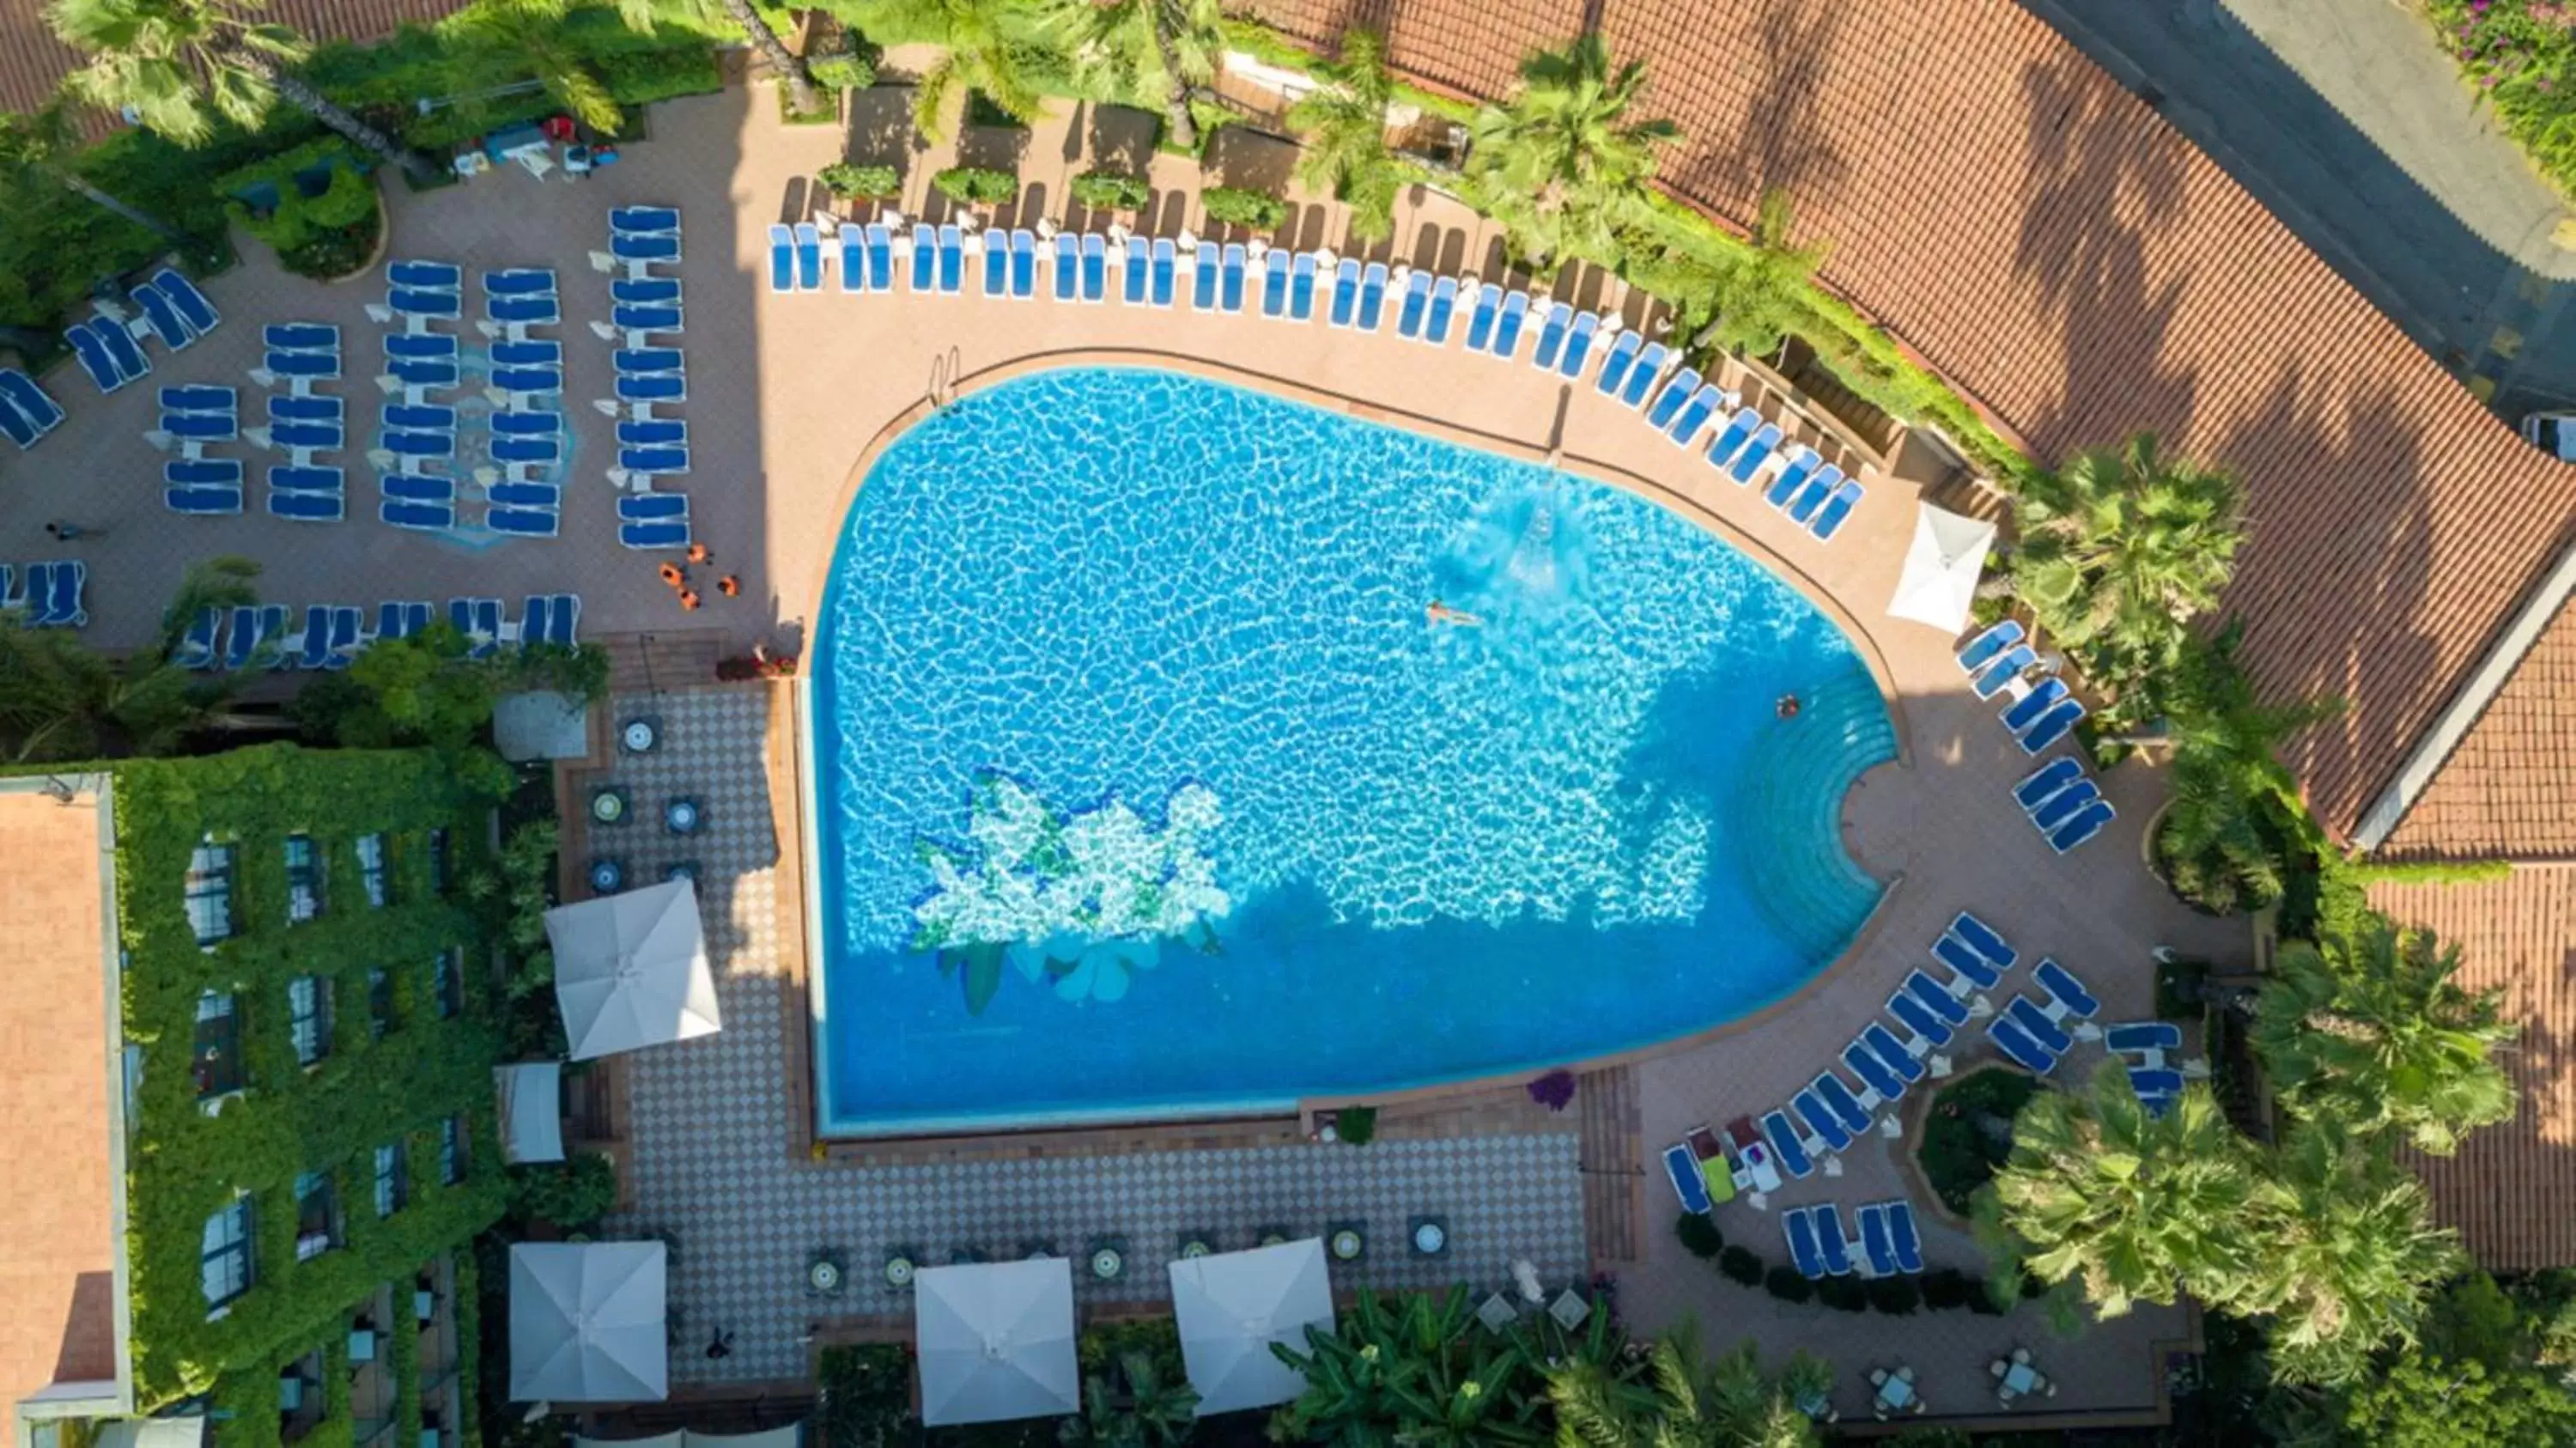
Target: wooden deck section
[(1613, 1165)]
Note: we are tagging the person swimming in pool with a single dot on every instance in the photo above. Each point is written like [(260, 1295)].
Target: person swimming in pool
[(1442, 613), (1788, 706)]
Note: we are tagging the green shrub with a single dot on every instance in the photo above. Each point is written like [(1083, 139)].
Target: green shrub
[(1740, 1265), (1895, 1296), (314, 205), (1843, 1294), (864, 1397), (849, 70), (573, 1195), (640, 77), (1699, 1234), (1785, 1284), (981, 111), (1966, 1135), (1252, 210), (1947, 1289), (1110, 191), (976, 185), (860, 183), (1356, 1125)]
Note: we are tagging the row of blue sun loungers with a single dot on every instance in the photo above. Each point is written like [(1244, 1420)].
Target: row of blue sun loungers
[(646, 322), (27, 411), (2066, 807), (1282, 285), (1998, 661), (50, 594), (193, 418), (523, 490), (1888, 1244), (256, 636), (171, 309), (2156, 1082), (416, 436), (2035, 1035), (303, 423)]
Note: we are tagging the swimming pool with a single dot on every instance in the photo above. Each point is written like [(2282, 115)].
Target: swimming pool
[(1178, 749)]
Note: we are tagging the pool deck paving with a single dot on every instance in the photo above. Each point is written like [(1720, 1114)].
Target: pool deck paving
[(788, 396)]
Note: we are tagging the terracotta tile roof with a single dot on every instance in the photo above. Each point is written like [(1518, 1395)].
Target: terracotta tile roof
[(33, 62), (2046, 241), (57, 1227), (2507, 1191), (2509, 789)]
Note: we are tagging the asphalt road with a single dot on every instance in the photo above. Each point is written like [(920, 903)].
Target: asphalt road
[(2347, 119)]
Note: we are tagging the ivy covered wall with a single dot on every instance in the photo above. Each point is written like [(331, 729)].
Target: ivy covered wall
[(369, 1090)]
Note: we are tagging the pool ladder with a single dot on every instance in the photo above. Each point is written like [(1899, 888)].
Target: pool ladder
[(945, 369)]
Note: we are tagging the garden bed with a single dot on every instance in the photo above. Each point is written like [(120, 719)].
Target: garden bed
[(1962, 1144)]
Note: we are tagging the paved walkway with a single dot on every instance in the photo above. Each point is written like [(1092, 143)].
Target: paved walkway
[(2350, 122)]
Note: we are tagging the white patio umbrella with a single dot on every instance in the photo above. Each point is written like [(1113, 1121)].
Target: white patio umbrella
[(1231, 1306), (996, 1341), (631, 970), (1942, 567), (587, 1322)]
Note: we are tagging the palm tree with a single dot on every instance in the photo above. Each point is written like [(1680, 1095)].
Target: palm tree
[(1342, 126), (983, 55), (1760, 296), (2366, 1030), (1559, 164), (2137, 1206), (786, 64), (2121, 548), (1411, 1374), (67, 701), (516, 37), (1141, 1410), (1686, 1402), (182, 63), (2352, 1254), (43, 143), (1135, 46), (2236, 807)]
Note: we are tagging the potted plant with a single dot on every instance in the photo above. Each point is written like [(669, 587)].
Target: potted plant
[(1111, 191), (854, 183)]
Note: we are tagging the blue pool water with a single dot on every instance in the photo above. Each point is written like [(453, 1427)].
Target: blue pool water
[(1147, 784)]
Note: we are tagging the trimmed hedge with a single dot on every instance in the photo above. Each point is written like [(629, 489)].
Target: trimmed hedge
[(1699, 1234), (1740, 1265), (640, 77), (1110, 191), (1252, 210), (1784, 1283), (860, 183), (186, 1165), (974, 185)]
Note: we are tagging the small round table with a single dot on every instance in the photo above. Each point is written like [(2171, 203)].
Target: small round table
[(1346, 1245), (824, 1276), (1106, 1263), (898, 1272), (682, 816), (607, 876)]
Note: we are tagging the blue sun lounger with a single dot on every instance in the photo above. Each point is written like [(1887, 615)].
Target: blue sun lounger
[(2153, 1083), (417, 302), (312, 366), (1873, 1072), (652, 387), (312, 411), (1669, 402), (645, 220), (1444, 310), (1804, 463), (1803, 1248), (528, 352), (531, 450), (523, 522), (1877, 1245), (421, 347), (925, 255), (2019, 1045), (997, 262), (198, 647), (163, 318), (1737, 431), (1908, 1244), (1891, 1051), (644, 292), (2046, 782), (198, 397), (1811, 498), (2069, 992), (646, 319), (854, 256), (418, 487), (308, 507), (252, 626), (1578, 346), (2005, 668), (1838, 1098), (524, 497), (1302, 275), (401, 620), (193, 308), (1786, 1144), (1551, 336), (1984, 939), (1167, 261), (1910, 1010), (1068, 267), (15, 424), (1756, 452), (2063, 806), (422, 418), (1681, 1168), (1481, 315), (528, 381), (90, 346), (782, 257), (2023, 712), (1372, 297), (1024, 267), (1274, 284), (880, 257), (1975, 968), (1641, 377), (1821, 1121), (420, 517), (652, 432), (528, 424), (22, 396), (1414, 306), (2138, 1036), (420, 444), (2087, 823), (648, 361), (1508, 323), (1940, 1002), (1694, 415), (655, 461), (288, 478), (1828, 1223), (1095, 268), (2051, 726), (1230, 276), (520, 281), (2026, 1013), (426, 276), (1986, 645), (635, 248), (345, 621), (1615, 362), (952, 262)]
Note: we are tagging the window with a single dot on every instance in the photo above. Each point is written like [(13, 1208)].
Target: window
[(438, 861), (372, 872), (393, 1179), (308, 1014), (224, 1260), (317, 1215), (380, 1002), (447, 982), (210, 892), (216, 1050), (303, 879), (451, 1151)]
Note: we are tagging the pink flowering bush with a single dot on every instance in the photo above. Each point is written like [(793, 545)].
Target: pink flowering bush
[(2521, 57)]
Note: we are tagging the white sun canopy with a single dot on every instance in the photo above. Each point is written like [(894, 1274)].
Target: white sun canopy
[(996, 1341), (588, 1322), (631, 970), (531, 1095), (1233, 1305), (1942, 567)]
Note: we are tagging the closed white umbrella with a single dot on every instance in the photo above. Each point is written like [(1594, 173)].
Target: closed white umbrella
[(996, 1341), (531, 1111), (587, 1322), (1943, 566), (1231, 1306), (631, 970)]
